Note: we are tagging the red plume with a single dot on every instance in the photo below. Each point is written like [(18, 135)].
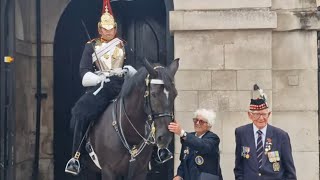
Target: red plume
[(106, 3)]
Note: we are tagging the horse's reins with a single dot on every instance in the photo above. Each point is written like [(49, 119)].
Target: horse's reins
[(150, 134), (151, 118)]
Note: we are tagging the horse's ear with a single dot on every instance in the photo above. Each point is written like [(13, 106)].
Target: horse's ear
[(174, 66), (149, 68)]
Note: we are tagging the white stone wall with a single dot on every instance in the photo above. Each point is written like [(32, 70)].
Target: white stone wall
[(227, 46), (295, 94)]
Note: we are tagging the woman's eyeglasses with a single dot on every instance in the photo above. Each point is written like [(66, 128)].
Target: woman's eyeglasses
[(200, 121)]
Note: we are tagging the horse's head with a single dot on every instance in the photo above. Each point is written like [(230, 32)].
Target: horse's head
[(160, 95)]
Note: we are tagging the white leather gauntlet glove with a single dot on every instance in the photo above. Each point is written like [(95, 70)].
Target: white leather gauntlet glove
[(91, 79)]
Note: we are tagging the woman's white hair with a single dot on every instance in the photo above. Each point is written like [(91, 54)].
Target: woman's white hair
[(208, 115)]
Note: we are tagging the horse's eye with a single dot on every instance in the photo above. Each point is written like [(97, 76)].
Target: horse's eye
[(153, 94)]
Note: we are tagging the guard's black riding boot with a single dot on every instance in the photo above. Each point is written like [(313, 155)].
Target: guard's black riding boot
[(73, 165)]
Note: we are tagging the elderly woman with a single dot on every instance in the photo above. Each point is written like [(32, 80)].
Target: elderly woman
[(200, 149)]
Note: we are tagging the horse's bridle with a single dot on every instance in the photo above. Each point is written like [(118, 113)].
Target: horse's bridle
[(153, 116), (148, 108), (150, 122)]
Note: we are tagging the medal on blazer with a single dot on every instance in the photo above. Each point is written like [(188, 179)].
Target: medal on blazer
[(276, 166), (277, 155), (199, 160), (185, 152), (245, 152), (274, 158), (268, 145)]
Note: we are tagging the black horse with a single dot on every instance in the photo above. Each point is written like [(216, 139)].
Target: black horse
[(124, 136)]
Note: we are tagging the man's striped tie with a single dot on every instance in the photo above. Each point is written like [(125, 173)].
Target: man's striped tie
[(259, 148)]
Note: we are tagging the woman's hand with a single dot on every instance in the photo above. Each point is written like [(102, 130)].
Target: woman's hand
[(175, 128), (177, 178)]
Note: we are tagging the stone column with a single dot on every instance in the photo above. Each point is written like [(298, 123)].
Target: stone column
[(295, 81)]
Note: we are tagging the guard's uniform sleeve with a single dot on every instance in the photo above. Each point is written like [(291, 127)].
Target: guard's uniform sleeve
[(289, 168), (238, 169), (86, 60)]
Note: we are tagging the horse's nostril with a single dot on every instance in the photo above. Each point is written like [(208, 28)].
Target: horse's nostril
[(160, 138)]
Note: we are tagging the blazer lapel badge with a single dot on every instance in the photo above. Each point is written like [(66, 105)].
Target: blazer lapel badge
[(199, 160)]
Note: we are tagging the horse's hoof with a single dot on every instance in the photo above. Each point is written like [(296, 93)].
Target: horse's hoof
[(73, 167)]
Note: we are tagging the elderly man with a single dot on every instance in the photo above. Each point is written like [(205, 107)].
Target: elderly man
[(263, 152), (200, 149)]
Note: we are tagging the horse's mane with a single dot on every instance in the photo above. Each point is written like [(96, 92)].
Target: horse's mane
[(138, 80)]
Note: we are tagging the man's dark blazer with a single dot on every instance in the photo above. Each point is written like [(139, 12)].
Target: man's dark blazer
[(247, 169), (207, 147)]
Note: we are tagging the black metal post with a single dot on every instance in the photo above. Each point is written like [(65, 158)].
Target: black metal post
[(2, 93), (38, 95), (9, 122)]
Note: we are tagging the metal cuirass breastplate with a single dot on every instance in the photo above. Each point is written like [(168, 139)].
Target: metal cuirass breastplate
[(109, 55)]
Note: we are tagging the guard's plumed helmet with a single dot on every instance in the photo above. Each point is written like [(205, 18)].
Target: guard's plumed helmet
[(107, 20)]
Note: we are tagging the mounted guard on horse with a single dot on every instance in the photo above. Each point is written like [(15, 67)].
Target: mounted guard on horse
[(125, 132), (102, 74)]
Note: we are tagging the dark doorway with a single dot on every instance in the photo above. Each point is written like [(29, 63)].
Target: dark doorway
[(143, 24)]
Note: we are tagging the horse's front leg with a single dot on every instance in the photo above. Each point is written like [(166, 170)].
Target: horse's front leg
[(107, 174)]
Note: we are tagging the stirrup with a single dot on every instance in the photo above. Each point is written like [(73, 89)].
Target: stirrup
[(73, 165), (160, 159)]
